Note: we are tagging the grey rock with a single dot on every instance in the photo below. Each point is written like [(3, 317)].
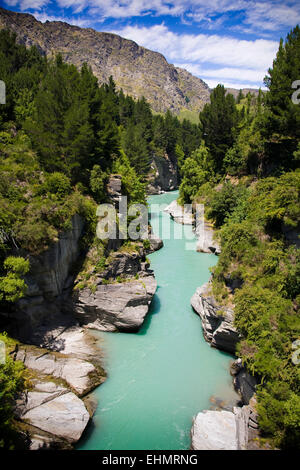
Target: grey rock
[(242, 415), (116, 307), (206, 238), (77, 373), (217, 321), (55, 410), (214, 430), (163, 175), (222, 430), (155, 242), (46, 281), (244, 383), (181, 214)]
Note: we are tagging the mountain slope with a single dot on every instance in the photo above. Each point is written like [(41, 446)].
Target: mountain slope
[(137, 70)]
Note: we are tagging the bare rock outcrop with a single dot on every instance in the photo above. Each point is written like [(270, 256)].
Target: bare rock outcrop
[(54, 410), (180, 214), (205, 234), (116, 307), (217, 321), (163, 175), (244, 383), (225, 430), (49, 281), (80, 375)]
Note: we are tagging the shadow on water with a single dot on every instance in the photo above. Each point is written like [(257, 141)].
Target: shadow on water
[(88, 432), (153, 310)]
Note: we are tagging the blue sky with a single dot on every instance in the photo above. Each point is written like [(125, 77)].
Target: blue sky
[(220, 41)]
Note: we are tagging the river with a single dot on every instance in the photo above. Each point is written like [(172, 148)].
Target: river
[(160, 377)]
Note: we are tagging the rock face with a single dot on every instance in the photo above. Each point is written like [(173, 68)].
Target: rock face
[(163, 175), (225, 430), (80, 375), (217, 321), (155, 242), (48, 281), (116, 307), (139, 71), (180, 214), (244, 383), (214, 430), (206, 242), (54, 410)]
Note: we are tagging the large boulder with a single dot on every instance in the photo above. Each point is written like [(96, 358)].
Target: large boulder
[(180, 214), (80, 375), (217, 321), (54, 410), (223, 430), (155, 242), (214, 430), (116, 307)]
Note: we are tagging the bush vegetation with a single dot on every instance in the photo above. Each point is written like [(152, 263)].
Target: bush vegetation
[(246, 172)]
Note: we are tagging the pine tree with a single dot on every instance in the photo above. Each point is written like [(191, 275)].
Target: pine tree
[(284, 115), (218, 120)]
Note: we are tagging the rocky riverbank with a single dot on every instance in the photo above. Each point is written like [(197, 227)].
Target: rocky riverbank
[(220, 429), (117, 306), (56, 407), (204, 231), (225, 430), (217, 321), (62, 357)]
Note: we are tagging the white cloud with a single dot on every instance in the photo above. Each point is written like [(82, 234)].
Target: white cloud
[(27, 4), (214, 49), (209, 56), (272, 15), (43, 17), (237, 74), (269, 15)]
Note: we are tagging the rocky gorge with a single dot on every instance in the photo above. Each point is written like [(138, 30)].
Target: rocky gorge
[(62, 357), (60, 352), (235, 429), (204, 232)]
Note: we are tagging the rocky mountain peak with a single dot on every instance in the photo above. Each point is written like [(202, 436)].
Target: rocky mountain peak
[(139, 71)]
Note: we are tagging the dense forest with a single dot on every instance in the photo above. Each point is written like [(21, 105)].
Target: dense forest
[(246, 171), (62, 135)]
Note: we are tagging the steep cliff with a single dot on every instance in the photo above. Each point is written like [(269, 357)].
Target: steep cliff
[(139, 71), (163, 175), (217, 321)]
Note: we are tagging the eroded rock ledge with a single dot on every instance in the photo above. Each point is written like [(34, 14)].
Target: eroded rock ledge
[(204, 231), (225, 430), (117, 306), (217, 321), (55, 410)]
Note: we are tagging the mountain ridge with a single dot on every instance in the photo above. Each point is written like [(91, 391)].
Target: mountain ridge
[(135, 69)]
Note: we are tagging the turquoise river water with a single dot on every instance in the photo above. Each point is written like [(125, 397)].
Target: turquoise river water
[(160, 377)]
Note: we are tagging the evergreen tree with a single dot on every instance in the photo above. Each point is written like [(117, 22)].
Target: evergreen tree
[(283, 115), (218, 120)]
